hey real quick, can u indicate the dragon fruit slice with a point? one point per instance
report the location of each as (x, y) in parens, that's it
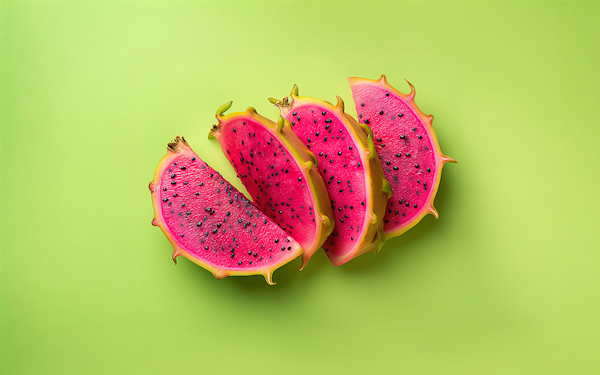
(349, 165)
(279, 173)
(408, 149)
(211, 223)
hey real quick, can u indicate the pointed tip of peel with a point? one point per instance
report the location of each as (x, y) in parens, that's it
(269, 278)
(340, 104)
(448, 159)
(411, 96)
(434, 212)
(222, 109)
(294, 90)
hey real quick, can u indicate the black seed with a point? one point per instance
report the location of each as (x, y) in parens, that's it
(183, 168)
(232, 254)
(294, 114)
(400, 115)
(331, 161)
(414, 129)
(396, 213)
(398, 155)
(358, 165)
(181, 234)
(214, 231)
(340, 209)
(381, 112)
(363, 203)
(387, 221)
(362, 104)
(415, 206)
(407, 155)
(173, 182)
(420, 137)
(298, 118)
(299, 178)
(183, 205)
(402, 136)
(199, 224)
(173, 175)
(367, 122)
(240, 263)
(396, 168)
(428, 169)
(194, 158)
(164, 189)
(276, 240)
(293, 122)
(339, 153)
(407, 205)
(200, 184)
(387, 163)
(416, 165)
(188, 213)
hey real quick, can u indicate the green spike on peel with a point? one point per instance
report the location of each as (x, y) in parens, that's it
(280, 123)
(222, 109)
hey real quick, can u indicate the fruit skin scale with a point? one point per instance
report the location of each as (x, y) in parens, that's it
(175, 150)
(305, 161)
(363, 88)
(372, 238)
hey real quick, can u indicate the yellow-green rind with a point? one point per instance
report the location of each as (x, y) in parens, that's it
(306, 161)
(440, 158)
(373, 236)
(176, 148)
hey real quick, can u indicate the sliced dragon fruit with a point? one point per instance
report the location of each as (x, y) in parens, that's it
(349, 165)
(279, 173)
(408, 149)
(211, 223)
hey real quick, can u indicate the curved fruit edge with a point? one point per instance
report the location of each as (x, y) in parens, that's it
(374, 237)
(440, 158)
(177, 147)
(306, 160)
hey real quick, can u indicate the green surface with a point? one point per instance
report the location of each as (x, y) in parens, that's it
(505, 282)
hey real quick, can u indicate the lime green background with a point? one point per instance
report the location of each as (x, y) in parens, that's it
(505, 282)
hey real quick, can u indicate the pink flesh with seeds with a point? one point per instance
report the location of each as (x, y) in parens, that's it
(344, 173)
(272, 177)
(211, 219)
(405, 150)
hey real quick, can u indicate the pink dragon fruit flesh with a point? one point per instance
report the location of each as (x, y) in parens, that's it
(211, 223)
(349, 165)
(280, 174)
(408, 149)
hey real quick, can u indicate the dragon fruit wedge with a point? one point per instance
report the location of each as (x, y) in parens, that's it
(211, 223)
(408, 149)
(350, 167)
(279, 173)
